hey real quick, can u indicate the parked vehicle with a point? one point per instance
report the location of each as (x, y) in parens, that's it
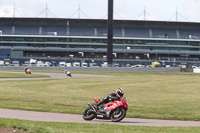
(76, 64)
(33, 62)
(6, 62)
(93, 65)
(15, 63)
(47, 64)
(53, 64)
(68, 64)
(138, 66)
(40, 64)
(62, 64)
(84, 65)
(1, 62)
(115, 111)
(105, 64)
(155, 64)
(116, 65)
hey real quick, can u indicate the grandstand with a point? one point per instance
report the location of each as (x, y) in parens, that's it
(85, 40)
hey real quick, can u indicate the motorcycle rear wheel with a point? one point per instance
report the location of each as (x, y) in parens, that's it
(88, 116)
(118, 114)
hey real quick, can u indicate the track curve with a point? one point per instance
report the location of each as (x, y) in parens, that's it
(59, 117)
(52, 76)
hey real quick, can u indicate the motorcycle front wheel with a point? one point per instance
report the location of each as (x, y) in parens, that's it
(88, 115)
(118, 114)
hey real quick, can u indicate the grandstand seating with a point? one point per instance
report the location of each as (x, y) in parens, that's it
(101, 50)
(5, 47)
(184, 34)
(53, 30)
(165, 51)
(81, 49)
(101, 31)
(190, 52)
(164, 33)
(81, 31)
(24, 48)
(6, 29)
(117, 32)
(136, 32)
(24, 30)
(144, 51)
(5, 51)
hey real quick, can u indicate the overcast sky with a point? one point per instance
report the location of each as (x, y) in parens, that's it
(161, 10)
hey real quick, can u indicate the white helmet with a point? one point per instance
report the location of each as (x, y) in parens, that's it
(120, 92)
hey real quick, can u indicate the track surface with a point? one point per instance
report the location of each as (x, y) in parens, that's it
(59, 117)
(52, 76)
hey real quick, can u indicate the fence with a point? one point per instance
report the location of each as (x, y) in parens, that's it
(109, 69)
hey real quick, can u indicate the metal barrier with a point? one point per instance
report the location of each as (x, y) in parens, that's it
(108, 69)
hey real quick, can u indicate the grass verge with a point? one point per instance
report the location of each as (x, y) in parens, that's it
(57, 127)
(19, 75)
(150, 95)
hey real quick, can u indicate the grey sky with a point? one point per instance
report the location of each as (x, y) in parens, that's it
(163, 10)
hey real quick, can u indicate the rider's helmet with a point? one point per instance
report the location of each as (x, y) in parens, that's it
(120, 92)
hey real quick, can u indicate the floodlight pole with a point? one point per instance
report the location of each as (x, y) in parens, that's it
(110, 33)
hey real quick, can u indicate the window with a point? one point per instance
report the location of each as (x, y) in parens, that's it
(40, 39)
(29, 39)
(51, 39)
(62, 39)
(19, 39)
(7, 38)
(117, 41)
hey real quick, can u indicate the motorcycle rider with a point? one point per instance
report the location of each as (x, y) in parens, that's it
(111, 97)
(68, 73)
(113, 107)
(27, 71)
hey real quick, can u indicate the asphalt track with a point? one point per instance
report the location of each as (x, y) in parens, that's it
(59, 117)
(52, 76)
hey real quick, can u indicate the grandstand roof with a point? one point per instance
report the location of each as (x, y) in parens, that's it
(99, 23)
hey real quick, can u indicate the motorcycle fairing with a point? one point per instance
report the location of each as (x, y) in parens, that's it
(113, 105)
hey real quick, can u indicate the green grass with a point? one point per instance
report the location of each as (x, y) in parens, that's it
(150, 95)
(19, 75)
(56, 127)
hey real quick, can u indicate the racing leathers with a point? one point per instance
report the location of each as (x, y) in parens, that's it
(111, 97)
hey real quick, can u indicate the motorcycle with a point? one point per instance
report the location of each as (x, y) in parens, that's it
(28, 71)
(69, 74)
(114, 111)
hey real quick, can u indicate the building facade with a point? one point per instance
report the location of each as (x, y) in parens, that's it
(86, 39)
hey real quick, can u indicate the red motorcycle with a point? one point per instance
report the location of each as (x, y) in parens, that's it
(27, 71)
(115, 111)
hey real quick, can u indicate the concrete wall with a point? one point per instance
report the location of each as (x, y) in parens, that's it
(110, 69)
